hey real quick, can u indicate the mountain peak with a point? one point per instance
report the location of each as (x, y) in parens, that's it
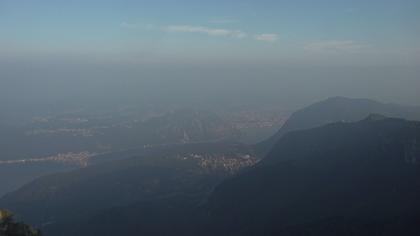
(341, 99)
(375, 117)
(337, 98)
(336, 109)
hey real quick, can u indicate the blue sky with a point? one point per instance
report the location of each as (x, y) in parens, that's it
(230, 31)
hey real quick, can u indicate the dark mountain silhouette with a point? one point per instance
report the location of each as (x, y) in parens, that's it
(341, 179)
(338, 109)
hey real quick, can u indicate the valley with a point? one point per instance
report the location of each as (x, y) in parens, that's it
(209, 118)
(211, 182)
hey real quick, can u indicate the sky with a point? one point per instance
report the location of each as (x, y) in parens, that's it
(276, 32)
(69, 47)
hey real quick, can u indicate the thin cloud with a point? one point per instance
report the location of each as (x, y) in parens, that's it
(214, 32)
(206, 30)
(348, 46)
(271, 38)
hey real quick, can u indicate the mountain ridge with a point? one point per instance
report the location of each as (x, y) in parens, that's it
(366, 173)
(336, 109)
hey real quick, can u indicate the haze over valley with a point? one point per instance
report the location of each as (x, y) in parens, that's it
(289, 118)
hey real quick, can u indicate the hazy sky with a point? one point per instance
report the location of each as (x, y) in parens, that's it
(374, 31)
(54, 47)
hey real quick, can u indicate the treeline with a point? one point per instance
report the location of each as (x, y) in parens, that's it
(9, 227)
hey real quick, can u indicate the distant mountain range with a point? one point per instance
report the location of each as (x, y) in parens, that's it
(186, 126)
(333, 169)
(337, 109)
(52, 137)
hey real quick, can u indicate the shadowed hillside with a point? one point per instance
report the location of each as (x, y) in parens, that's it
(341, 179)
(338, 109)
